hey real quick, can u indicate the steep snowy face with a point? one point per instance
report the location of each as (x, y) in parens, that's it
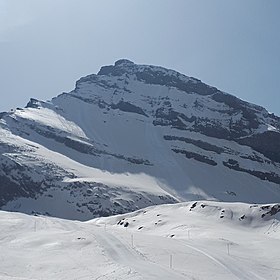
(133, 136)
(177, 100)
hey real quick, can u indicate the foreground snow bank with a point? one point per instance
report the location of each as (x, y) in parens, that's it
(196, 240)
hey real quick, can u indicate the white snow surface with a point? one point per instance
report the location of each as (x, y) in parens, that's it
(179, 241)
(85, 139)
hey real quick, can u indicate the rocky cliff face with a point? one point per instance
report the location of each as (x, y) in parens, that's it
(132, 136)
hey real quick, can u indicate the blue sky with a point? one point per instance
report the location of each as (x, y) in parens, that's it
(46, 45)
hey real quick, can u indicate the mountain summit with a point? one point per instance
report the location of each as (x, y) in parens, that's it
(133, 136)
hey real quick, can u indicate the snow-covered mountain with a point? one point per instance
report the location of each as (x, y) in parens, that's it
(134, 136)
(193, 240)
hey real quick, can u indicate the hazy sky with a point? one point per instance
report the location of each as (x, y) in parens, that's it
(46, 45)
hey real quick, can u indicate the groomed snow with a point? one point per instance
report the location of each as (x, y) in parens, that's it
(181, 241)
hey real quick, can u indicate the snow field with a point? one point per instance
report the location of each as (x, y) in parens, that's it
(181, 241)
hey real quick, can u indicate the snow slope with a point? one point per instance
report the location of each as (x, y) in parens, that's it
(134, 136)
(180, 241)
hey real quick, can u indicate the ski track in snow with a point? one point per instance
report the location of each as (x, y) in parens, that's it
(236, 269)
(131, 258)
(41, 248)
